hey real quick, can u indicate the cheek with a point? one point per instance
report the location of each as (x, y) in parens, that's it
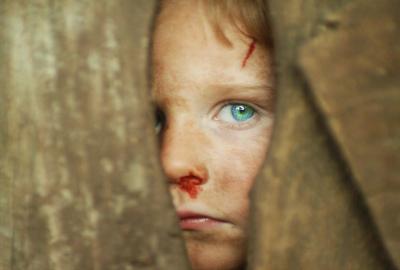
(242, 156)
(235, 166)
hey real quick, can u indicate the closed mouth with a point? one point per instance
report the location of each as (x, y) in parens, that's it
(197, 221)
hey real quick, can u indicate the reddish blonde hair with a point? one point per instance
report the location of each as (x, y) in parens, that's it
(250, 16)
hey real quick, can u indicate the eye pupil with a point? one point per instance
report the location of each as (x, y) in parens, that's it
(241, 112)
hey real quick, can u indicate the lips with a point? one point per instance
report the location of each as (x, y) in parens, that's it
(197, 221)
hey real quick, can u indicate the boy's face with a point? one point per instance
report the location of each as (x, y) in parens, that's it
(218, 117)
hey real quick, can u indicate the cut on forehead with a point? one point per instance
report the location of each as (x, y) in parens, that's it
(250, 17)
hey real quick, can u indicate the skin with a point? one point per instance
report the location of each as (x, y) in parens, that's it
(195, 79)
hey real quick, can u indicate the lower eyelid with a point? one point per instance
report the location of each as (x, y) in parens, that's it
(241, 125)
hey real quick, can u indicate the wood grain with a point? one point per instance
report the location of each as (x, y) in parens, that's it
(79, 187)
(308, 210)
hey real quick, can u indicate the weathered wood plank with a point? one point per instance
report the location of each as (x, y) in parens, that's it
(308, 212)
(84, 187)
(353, 71)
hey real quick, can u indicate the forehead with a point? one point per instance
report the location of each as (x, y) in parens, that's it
(182, 28)
(187, 51)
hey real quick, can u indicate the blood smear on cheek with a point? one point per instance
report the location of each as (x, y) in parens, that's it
(191, 185)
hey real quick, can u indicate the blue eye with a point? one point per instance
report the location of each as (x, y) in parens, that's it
(236, 112)
(241, 112)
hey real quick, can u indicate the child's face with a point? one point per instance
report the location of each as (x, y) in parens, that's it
(218, 119)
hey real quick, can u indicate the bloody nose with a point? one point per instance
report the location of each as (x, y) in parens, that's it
(191, 185)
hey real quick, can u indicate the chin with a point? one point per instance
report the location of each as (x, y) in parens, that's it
(207, 253)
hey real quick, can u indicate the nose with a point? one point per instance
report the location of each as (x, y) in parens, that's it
(183, 154)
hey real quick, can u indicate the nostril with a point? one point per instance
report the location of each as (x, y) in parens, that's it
(191, 185)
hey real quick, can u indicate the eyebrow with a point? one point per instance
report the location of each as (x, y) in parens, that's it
(263, 95)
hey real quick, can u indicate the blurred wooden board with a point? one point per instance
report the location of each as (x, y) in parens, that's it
(308, 209)
(79, 188)
(354, 74)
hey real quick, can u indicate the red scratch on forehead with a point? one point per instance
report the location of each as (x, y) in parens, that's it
(250, 51)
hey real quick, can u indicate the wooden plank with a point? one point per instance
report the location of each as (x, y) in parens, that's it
(87, 190)
(353, 72)
(307, 210)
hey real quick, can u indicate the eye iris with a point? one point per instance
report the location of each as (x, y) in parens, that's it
(241, 112)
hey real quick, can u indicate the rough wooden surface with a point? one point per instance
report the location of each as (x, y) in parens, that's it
(80, 184)
(78, 189)
(322, 201)
(353, 71)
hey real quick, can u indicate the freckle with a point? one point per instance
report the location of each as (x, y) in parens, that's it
(250, 51)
